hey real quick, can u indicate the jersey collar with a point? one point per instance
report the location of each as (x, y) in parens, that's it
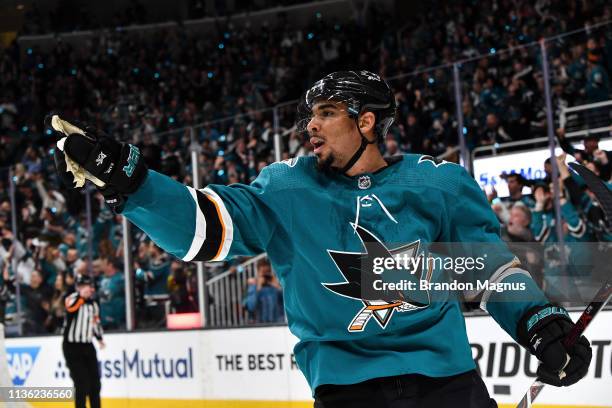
(365, 181)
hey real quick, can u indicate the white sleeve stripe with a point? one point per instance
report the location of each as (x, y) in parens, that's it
(577, 231)
(543, 231)
(501, 274)
(199, 235)
(227, 222)
(470, 295)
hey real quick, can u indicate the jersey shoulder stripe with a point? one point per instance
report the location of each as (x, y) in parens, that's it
(423, 171)
(291, 174)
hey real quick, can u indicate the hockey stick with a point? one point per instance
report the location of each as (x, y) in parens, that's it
(601, 298)
(604, 197)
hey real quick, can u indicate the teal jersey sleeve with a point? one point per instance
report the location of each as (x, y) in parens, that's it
(543, 227)
(472, 229)
(165, 210)
(249, 220)
(473, 223)
(540, 225)
(575, 226)
(471, 217)
(205, 224)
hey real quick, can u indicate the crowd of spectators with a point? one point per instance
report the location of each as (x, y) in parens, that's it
(503, 91)
(147, 87)
(75, 15)
(528, 215)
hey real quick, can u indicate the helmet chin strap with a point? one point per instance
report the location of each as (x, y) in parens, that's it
(364, 144)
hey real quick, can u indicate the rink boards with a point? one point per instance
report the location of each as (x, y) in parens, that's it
(254, 367)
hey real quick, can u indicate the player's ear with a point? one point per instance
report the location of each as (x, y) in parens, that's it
(366, 122)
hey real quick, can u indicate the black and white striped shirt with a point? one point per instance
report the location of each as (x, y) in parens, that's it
(82, 320)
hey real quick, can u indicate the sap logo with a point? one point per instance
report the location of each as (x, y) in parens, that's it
(20, 362)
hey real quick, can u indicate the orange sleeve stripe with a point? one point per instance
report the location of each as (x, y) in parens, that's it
(75, 307)
(68, 300)
(222, 225)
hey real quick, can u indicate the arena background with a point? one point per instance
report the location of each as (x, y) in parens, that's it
(208, 90)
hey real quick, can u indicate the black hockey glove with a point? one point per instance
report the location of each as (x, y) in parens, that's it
(116, 168)
(541, 330)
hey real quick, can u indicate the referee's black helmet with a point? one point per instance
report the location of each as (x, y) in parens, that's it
(83, 279)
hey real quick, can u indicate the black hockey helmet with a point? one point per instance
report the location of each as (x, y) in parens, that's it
(83, 279)
(361, 91)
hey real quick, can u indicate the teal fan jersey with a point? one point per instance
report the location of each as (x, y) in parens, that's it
(316, 227)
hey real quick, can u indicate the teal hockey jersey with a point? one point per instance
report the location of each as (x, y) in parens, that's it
(316, 228)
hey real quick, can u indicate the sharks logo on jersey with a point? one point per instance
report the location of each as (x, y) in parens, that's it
(290, 162)
(436, 162)
(357, 270)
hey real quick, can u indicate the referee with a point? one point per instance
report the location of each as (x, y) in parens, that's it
(82, 322)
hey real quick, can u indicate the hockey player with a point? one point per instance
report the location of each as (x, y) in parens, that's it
(320, 219)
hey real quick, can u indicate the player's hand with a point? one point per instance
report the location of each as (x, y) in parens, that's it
(561, 133)
(540, 199)
(116, 168)
(498, 208)
(101, 344)
(600, 156)
(219, 162)
(492, 194)
(542, 331)
(563, 170)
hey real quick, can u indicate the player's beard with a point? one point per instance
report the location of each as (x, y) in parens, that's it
(325, 165)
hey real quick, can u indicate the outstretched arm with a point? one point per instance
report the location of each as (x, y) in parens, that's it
(205, 224)
(199, 225)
